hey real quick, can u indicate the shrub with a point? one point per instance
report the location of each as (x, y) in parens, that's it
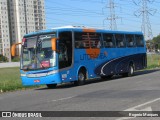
(16, 59)
(3, 58)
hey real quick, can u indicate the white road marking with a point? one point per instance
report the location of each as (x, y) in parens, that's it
(66, 98)
(140, 105)
(125, 118)
(145, 109)
(149, 102)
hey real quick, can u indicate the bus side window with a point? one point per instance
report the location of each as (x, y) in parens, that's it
(108, 40)
(130, 41)
(81, 40)
(95, 40)
(87, 40)
(139, 40)
(120, 41)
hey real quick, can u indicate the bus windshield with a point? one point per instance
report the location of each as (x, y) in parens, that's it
(37, 52)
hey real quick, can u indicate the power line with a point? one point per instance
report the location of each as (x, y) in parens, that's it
(89, 1)
(74, 7)
(144, 11)
(112, 18)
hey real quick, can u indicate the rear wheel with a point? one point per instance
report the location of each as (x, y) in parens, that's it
(81, 78)
(51, 85)
(130, 71)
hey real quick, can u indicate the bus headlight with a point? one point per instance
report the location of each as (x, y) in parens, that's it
(53, 72)
(23, 75)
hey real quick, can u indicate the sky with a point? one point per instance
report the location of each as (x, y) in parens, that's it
(94, 13)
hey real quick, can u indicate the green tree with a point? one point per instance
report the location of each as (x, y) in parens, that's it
(3, 58)
(156, 41)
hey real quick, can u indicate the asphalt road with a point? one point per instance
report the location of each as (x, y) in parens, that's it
(138, 93)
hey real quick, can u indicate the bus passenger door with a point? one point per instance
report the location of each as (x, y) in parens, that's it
(65, 49)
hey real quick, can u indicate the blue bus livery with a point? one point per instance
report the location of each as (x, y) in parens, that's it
(74, 54)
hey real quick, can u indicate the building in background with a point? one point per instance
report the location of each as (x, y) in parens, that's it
(39, 14)
(17, 18)
(4, 30)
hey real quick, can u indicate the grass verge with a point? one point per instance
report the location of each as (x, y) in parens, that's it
(153, 61)
(10, 80)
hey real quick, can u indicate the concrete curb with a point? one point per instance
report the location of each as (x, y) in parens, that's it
(9, 64)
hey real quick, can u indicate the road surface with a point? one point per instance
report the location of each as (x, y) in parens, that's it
(140, 92)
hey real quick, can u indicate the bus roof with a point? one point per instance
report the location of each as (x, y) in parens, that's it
(80, 28)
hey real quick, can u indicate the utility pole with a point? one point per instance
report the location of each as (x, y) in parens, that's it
(144, 11)
(25, 12)
(112, 17)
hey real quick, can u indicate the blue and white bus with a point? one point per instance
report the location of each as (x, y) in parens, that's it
(75, 54)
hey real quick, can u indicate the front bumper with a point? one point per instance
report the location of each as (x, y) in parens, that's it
(30, 80)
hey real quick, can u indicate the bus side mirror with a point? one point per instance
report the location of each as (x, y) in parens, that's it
(54, 44)
(13, 49)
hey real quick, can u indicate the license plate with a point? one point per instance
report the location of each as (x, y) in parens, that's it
(36, 81)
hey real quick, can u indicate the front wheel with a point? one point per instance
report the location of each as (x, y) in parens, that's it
(51, 85)
(81, 78)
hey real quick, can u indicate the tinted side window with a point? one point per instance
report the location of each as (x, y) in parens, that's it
(87, 40)
(130, 40)
(139, 40)
(65, 49)
(108, 41)
(120, 41)
(95, 40)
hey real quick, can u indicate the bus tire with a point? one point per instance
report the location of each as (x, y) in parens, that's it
(130, 71)
(51, 85)
(81, 78)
